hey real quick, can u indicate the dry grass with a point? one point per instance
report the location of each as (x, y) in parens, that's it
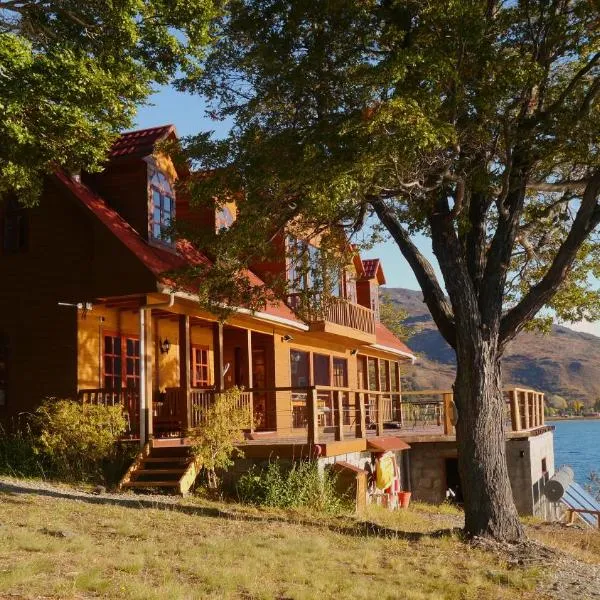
(58, 548)
(583, 544)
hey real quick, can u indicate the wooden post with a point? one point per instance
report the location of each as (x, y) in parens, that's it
(184, 366)
(380, 414)
(338, 415)
(399, 390)
(534, 409)
(361, 420)
(250, 379)
(515, 412)
(218, 354)
(448, 410)
(525, 408)
(313, 417)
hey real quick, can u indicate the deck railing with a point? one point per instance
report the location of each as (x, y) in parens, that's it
(319, 413)
(128, 398)
(338, 311)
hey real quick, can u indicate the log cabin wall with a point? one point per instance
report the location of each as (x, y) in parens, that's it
(69, 257)
(124, 185)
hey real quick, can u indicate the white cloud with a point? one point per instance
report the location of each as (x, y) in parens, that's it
(584, 326)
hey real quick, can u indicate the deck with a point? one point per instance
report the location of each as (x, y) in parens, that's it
(325, 421)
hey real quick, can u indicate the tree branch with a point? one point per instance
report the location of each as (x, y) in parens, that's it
(434, 297)
(501, 247)
(573, 83)
(586, 220)
(562, 186)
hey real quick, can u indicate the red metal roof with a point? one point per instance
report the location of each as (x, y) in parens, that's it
(139, 143)
(159, 261)
(373, 269)
(384, 444)
(384, 337)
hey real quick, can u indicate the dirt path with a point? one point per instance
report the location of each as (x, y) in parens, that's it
(567, 577)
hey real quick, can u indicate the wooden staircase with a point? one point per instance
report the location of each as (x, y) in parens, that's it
(164, 464)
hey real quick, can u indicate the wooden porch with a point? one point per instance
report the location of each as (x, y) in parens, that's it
(322, 415)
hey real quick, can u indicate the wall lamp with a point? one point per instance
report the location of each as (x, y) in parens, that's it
(164, 346)
(287, 338)
(354, 352)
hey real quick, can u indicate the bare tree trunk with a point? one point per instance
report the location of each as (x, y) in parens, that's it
(489, 506)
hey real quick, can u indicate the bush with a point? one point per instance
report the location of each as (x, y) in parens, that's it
(300, 485)
(78, 440)
(214, 442)
(18, 455)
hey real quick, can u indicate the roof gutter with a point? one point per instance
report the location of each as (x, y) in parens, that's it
(383, 348)
(244, 311)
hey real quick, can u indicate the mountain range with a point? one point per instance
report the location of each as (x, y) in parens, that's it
(564, 362)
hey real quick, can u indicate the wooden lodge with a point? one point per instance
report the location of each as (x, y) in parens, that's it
(88, 311)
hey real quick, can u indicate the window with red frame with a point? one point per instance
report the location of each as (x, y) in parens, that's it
(116, 370)
(200, 373)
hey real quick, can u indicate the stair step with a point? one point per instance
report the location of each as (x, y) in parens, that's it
(166, 459)
(177, 472)
(151, 484)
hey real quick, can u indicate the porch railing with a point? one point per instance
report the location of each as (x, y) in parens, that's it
(128, 398)
(338, 311)
(318, 413)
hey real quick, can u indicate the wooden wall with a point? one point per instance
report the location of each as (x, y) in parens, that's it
(70, 258)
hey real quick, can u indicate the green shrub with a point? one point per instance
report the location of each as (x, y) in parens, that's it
(78, 440)
(18, 455)
(299, 485)
(214, 443)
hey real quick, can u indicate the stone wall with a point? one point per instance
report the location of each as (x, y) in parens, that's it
(530, 463)
(428, 470)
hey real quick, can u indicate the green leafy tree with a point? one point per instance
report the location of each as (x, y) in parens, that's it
(72, 73)
(215, 441)
(393, 316)
(577, 406)
(473, 123)
(597, 405)
(558, 402)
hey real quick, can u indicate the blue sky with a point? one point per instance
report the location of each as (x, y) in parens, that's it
(187, 113)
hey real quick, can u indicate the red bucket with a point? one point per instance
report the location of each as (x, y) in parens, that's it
(404, 499)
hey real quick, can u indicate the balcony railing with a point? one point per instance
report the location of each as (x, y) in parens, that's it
(338, 311)
(320, 413)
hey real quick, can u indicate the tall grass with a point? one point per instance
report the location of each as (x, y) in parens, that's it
(300, 485)
(18, 455)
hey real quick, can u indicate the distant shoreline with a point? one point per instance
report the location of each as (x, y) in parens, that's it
(572, 418)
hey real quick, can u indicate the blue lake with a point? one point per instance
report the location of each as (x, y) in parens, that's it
(577, 443)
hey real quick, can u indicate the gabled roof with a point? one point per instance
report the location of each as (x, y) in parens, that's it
(373, 269)
(159, 261)
(386, 340)
(139, 143)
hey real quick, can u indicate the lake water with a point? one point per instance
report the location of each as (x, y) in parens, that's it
(577, 444)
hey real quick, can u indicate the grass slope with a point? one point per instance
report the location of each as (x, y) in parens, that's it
(60, 548)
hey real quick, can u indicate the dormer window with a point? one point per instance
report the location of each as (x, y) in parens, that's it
(162, 206)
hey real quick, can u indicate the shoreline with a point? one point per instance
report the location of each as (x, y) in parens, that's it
(572, 418)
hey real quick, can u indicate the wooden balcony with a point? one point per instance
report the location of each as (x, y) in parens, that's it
(338, 315)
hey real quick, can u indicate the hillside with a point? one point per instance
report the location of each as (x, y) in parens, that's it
(565, 362)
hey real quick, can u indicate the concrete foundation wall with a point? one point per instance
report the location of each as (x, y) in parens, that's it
(428, 470)
(363, 460)
(530, 464)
